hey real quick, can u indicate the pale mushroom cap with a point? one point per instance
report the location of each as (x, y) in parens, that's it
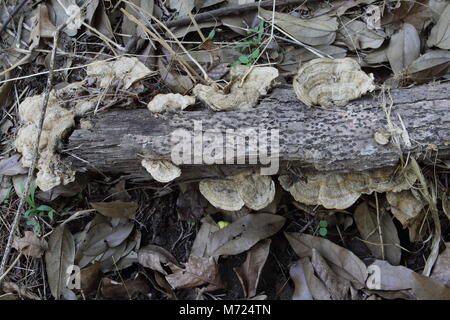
(256, 191)
(327, 82)
(161, 170)
(221, 194)
(170, 101)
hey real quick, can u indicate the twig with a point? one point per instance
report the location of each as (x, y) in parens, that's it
(210, 15)
(16, 10)
(35, 154)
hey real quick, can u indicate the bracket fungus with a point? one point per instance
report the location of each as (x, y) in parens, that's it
(58, 122)
(335, 190)
(250, 189)
(170, 101)
(327, 82)
(248, 84)
(161, 170)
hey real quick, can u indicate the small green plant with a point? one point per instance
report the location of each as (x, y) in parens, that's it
(246, 46)
(34, 211)
(323, 224)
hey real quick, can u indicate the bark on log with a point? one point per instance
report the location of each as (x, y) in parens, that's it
(339, 139)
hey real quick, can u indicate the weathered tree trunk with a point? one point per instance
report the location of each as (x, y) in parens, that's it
(340, 139)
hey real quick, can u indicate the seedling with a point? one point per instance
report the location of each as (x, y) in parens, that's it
(34, 211)
(323, 224)
(249, 59)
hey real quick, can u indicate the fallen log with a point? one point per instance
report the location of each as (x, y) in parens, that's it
(338, 139)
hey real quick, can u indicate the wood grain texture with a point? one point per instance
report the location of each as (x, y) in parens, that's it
(338, 139)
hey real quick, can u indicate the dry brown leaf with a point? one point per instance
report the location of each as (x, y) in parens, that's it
(404, 48)
(249, 272)
(356, 35)
(440, 34)
(90, 279)
(416, 13)
(405, 206)
(190, 206)
(14, 288)
(334, 255)
(42, 26)
(116, 209)
(110, 289)
(441, 269)
(315, 31)
(429, 66)
(59, 258)
(339, 288)
(367, 224)
(327, 82)
(243, 233)
(155, 257)
(12, 166)
(97, 18)
(61, 10)
(30, 245)
(307, 285)
(198, 271)
(203, 239)
(173, 79)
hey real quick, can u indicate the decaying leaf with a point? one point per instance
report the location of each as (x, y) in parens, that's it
(42, 26)
(128, 289)
(244, 233)
(30, 245)
(367, 224)
(161, 170)
(90, 279)
(61, 10)
(429, 66)
(197, 272)
(14, 288)
(307, 285)
(125, 69)
(170, 101)
(97, 18)
(405, 206)
(328, 82)
(441, 269)
(59, 258)
(190, 206)
(440, 33)
(203, 239)
(338, 287)
(248, 84)
(116, 209)
(315, 31)
(250, 189)
(11, 166)
(341, 260)
(356, 35)
(402, 279)
(404, 48)
(341, 190)
(155, 257)
(249, 272)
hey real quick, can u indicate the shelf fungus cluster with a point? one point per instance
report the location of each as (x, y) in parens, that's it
(59, 119)
(170, 101)
(245, 189)
(335, 190)
(327, 82)
(246, 87)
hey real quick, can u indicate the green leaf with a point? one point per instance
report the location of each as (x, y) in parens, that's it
(323, 224)
(236, 63)
(29, 213)
(211, 35)
(44, 208)
(255, 54)
(244, 59)
(323, 232)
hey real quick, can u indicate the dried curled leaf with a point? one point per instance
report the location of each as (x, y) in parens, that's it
(404, 48)
(328, 82)
(440, 34)
(30, 245)
(315, 31)
(125, 69)
(356, 35)
(248, 86)
(161, 170)
(431, 65)
(405, 206)
(250, 189)
(170, 101)
(341, 190)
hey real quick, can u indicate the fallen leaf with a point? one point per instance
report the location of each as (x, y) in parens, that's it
(12, 166)
(90, 279)
(342, 258)
(203, 238)
(189, 205)
(315, 31)
(198, 271)
(404, 48)
(116, 209)
(429, 66)
(30, 245)
(441, 269)
(110, 289)
(97, 18)
(11, 287)
(183, 7)
(243, 233)
(440, 33)
(155, 257)
(59, 258)
(356, 35)
(367, 223)
(249, 272)
(307, 285)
